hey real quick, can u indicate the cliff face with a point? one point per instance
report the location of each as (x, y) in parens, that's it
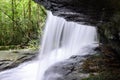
(86, 11)
(109, 34)
(105, 14)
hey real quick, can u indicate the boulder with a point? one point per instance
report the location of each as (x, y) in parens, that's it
(11, 59)
(69, 69)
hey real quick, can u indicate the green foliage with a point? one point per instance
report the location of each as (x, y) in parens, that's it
(33, 44)
(21, 21)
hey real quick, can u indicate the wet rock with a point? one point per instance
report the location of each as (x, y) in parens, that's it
(110, 34)
(84, 11)
(13, 59)
(67, 70)
(105, 14)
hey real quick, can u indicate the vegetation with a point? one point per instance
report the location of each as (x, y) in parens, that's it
(21, 23)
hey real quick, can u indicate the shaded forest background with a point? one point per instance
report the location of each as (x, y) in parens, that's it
(21, 24)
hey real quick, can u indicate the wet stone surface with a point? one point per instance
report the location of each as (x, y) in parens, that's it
(81, 11)
(69, 69)
(11, 59)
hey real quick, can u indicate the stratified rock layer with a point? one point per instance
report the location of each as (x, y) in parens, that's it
(105, 14)
(86, 11)
(11, 59)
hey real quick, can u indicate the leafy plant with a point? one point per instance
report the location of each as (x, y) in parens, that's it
(21, 21)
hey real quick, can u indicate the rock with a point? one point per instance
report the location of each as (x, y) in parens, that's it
(12, 59)
(69, 69)
(111, 58)
(110, 33)
(105, 14)
(84, 11)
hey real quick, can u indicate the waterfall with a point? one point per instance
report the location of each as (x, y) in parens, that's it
(61, 40)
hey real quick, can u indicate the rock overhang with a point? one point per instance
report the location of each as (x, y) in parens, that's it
(81, 11)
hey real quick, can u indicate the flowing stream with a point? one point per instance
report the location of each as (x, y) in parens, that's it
(61, 40)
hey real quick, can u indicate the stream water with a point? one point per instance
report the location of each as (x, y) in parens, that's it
(61, 40)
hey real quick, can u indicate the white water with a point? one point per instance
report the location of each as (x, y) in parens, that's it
(61, 40)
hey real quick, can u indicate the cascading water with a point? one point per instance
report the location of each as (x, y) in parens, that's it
(61, 40)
